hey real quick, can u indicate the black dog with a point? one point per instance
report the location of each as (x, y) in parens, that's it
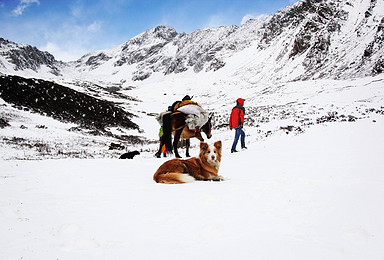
(129, 155)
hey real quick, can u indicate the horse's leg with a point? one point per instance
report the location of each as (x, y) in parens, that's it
(175, 142)
(187, 145)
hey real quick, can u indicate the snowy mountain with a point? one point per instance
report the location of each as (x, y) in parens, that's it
(22, 57)
(313, 39)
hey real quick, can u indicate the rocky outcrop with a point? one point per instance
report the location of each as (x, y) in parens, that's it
(25, 57)
(63, 103)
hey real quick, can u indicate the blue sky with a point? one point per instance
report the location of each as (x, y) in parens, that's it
(71, 28)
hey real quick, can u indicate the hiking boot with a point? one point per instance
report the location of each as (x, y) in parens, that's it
(244, 147)
(233, 151)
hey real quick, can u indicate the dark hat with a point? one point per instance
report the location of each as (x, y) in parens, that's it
(187, 97)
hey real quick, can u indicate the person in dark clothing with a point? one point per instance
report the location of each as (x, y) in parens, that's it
(236, 121)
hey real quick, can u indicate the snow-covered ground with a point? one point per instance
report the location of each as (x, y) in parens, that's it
(317, 195)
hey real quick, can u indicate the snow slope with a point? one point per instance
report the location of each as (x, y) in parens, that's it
(310, 196)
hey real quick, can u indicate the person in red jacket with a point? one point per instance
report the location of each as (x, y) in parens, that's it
(236, 121)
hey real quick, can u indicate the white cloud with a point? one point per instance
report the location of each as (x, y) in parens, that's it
(77, 10)
(23, 5)
(71, 40)
(94, 27)
(253, 16)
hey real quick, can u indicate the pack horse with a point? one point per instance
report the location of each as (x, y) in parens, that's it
(175, 124)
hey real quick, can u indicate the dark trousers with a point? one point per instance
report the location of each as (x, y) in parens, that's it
(238, 132)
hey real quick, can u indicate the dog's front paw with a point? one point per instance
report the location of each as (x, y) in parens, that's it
(218, 178)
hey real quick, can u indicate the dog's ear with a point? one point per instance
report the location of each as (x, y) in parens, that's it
(218, 145)
(203, 146)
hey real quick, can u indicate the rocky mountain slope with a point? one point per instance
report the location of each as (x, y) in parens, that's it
(311, 39)
(308, 40)
(21, 57)
(63, 103)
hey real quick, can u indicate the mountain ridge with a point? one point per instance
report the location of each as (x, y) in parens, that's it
(312, 39)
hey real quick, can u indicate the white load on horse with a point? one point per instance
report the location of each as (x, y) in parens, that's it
(195, 115)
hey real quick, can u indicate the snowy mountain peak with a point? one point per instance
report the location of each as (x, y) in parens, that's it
(310, 39)
(159, 34)
(20, 57)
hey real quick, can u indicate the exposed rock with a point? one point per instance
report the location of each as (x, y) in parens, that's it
(3, 123)
(27, 57)
(63, 103)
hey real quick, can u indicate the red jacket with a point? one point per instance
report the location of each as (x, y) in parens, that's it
(237, 115)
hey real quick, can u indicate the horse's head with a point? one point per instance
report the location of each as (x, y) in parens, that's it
(208, 127)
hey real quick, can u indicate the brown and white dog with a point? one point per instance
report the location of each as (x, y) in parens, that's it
(204, 168)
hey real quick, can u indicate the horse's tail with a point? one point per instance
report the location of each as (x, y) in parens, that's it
(167, 132)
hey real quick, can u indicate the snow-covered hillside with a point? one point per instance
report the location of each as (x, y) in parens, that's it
(289, 108)
(317, 39)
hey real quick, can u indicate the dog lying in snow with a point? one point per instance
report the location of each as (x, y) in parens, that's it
(205, 167)
(129, 155)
